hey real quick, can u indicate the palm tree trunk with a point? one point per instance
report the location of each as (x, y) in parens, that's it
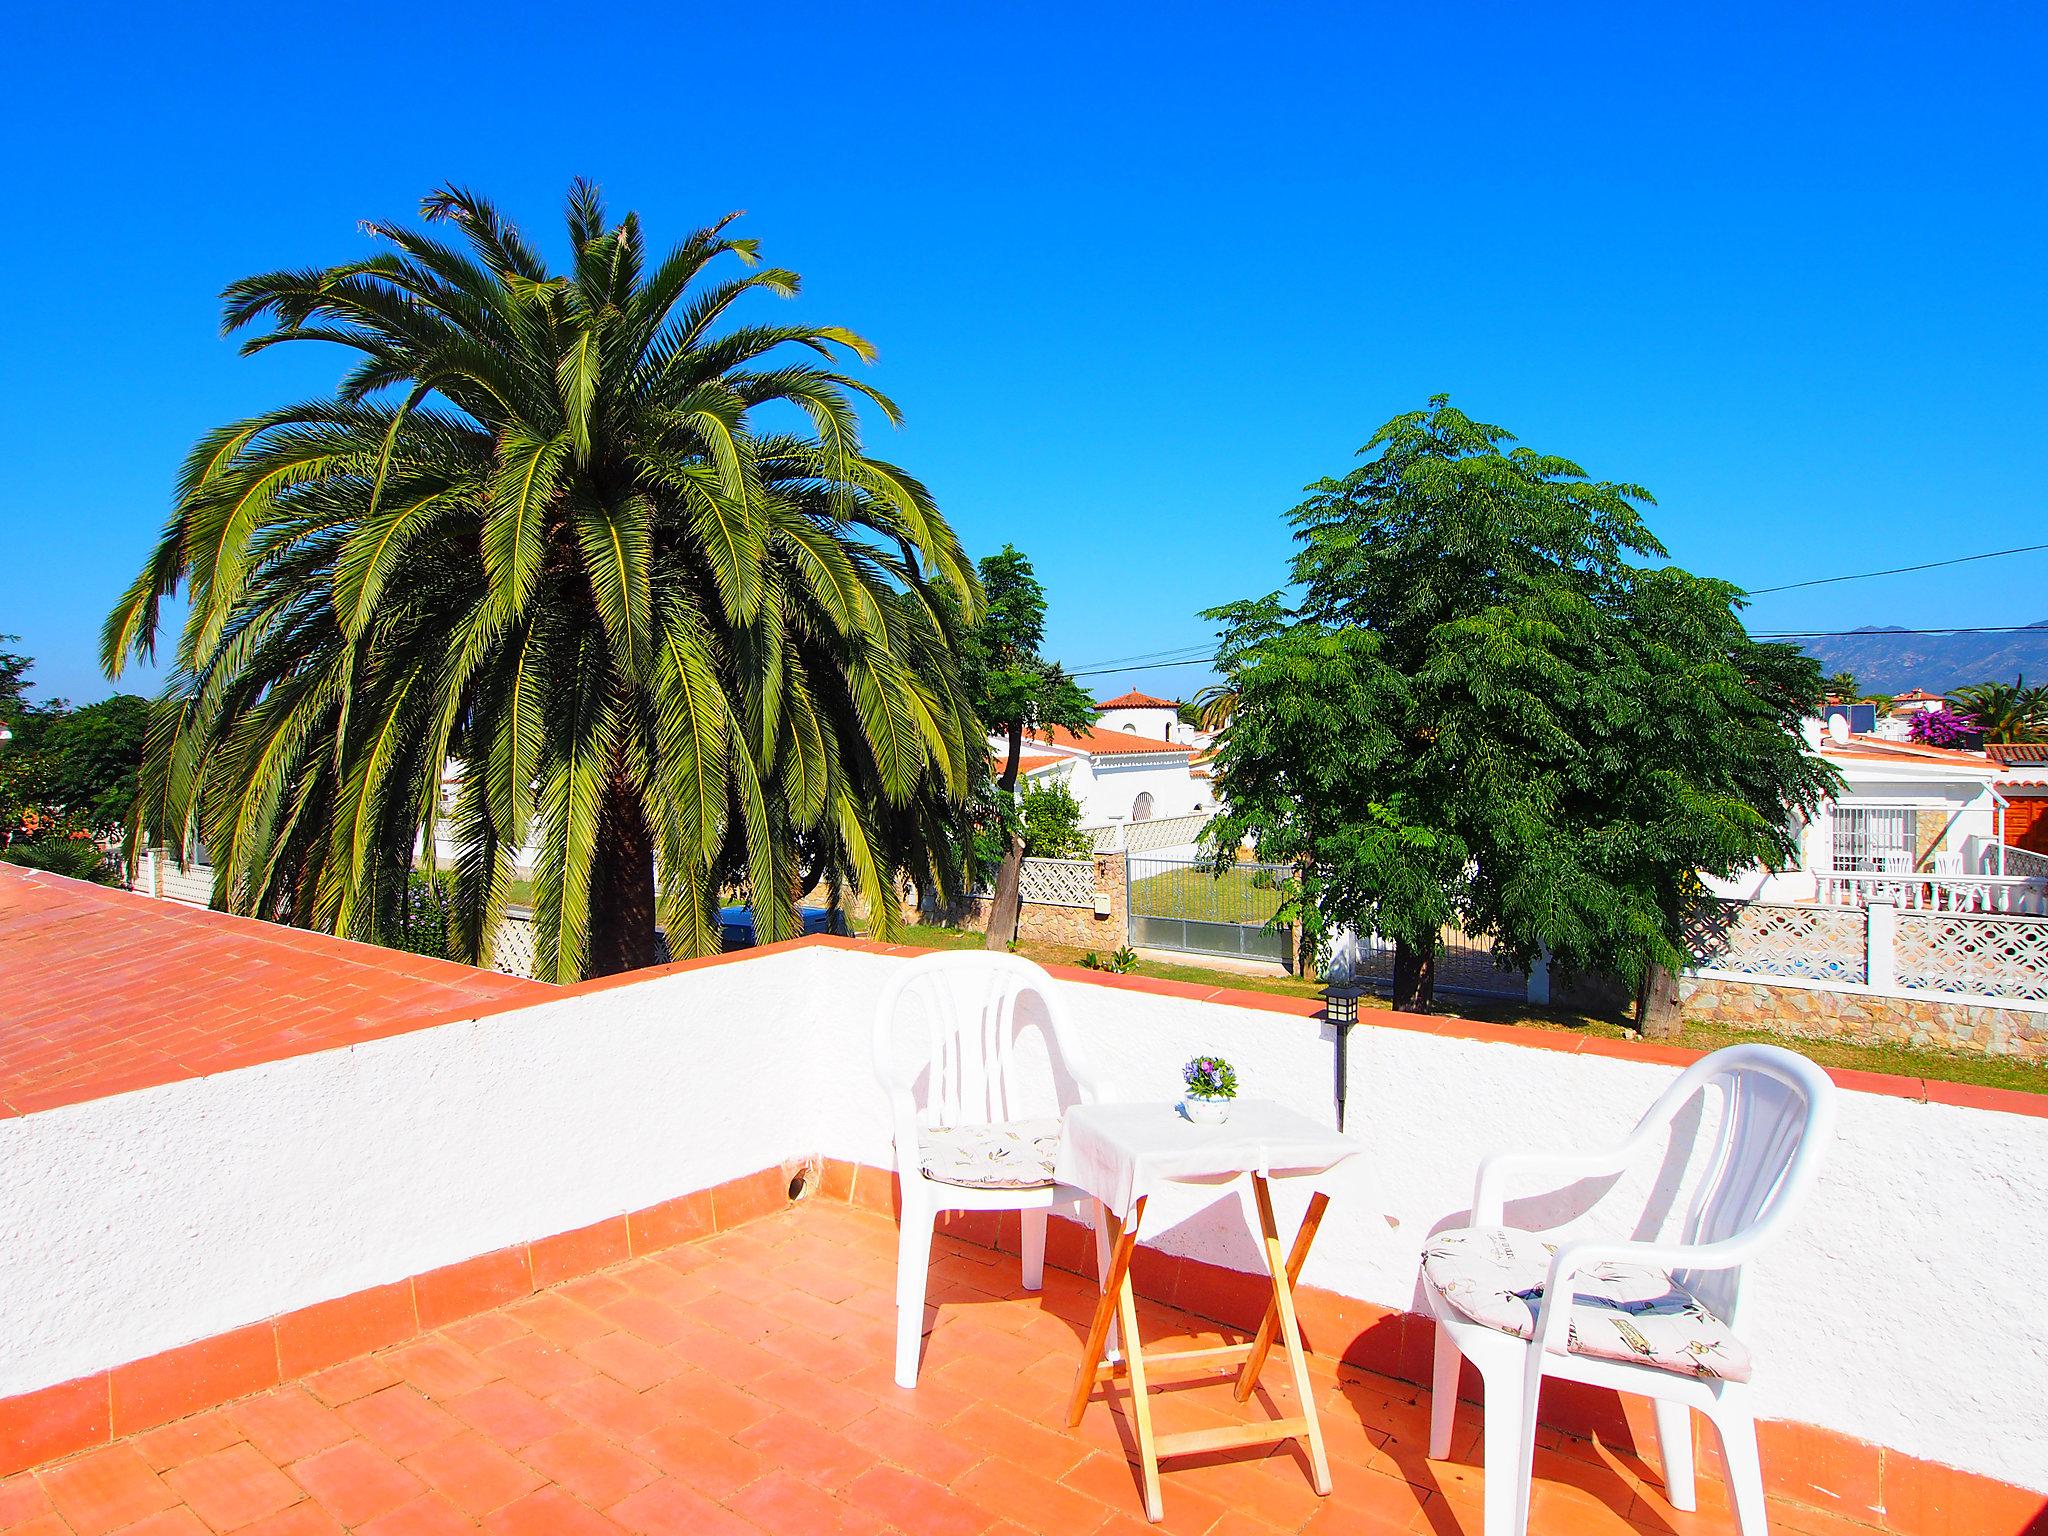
(622, 887)
(1007, 905)
(1414, 977)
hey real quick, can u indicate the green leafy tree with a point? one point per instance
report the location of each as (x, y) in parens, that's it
(555, 525)
(2005, 712)
(1483, 713)
(1014, 690)
(1841, 685)
(1051, 821)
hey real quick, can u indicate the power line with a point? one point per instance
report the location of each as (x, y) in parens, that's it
(1900, 570)
(1779, 634)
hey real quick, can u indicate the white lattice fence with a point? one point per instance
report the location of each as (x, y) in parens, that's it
(1973, 953)
(1058, 882)
(1758, 939)
(512, 949)
(1166, 832)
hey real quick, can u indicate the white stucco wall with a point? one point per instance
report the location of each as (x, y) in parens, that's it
(133, 1224)
(1107, 787)
(1903, 1309)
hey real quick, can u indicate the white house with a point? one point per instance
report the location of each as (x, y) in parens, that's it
(1923, 825)
(1116, 775)
(1143, 714)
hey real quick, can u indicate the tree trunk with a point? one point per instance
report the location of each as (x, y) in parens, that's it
(1007, 905)
(1414, 977)
(1657, 1016)
(1008, 782)
(622, 888)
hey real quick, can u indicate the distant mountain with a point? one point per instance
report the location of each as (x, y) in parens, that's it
(1889, 660)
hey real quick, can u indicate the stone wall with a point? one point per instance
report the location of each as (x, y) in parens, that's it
(1828, 1013)
(1075, 927)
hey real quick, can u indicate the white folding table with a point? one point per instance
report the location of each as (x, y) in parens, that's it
(1123, 1153)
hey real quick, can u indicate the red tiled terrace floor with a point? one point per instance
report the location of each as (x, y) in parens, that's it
(740, 1385)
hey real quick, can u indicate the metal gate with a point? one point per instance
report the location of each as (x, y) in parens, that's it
(1183, 904)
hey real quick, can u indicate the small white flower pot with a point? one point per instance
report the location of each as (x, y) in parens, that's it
(1205, 1111)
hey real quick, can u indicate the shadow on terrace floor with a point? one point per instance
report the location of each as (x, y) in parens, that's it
(741, 1385)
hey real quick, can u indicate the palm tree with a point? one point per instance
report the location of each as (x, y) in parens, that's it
(1211, 708)
(1841, 685)
(541, 528)
(2005, 712)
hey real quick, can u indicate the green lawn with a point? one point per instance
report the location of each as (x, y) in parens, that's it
(1236, 896)
(1899, 1061)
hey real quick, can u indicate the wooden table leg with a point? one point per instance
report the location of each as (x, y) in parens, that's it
(1123, 1241)
(1290, 1333)
(1141, 1401)
(1248, 1378)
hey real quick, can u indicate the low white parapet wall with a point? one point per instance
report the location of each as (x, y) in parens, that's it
(1903, 1309)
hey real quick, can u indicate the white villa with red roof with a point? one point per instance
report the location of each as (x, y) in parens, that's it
(1967, 829)
(1138, 762)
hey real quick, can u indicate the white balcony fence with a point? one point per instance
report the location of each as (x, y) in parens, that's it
(1918, 891)
(1153, 836)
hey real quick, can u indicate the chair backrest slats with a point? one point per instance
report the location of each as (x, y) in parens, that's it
(1776, 1112)
(972, 1072)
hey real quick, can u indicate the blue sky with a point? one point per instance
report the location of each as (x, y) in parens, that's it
(1136, 274)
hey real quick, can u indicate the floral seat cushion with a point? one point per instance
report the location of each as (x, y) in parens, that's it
(1011, 1154)
(1631, 1312)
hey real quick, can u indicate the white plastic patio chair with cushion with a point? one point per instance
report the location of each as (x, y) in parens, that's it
(976, 1110)
(1655, 1318)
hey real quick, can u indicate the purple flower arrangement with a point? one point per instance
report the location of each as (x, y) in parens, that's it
(1210, 1077)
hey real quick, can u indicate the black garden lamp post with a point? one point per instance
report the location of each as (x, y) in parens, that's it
(1340, 1007)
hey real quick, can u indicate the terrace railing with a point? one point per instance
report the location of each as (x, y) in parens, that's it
(1919, 891)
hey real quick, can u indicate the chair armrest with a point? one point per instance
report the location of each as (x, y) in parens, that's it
(1552, 1319)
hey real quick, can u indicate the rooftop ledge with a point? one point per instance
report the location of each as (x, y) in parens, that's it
(534, 1245)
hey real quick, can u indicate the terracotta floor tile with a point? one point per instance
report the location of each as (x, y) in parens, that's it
(288, 1424)
(902, 1441)
(539, 1365)
(1007, 1490)
(479, 1333)
(472, 1473)
(350, 1380)
(105, 1490)
(807, 1448)
(670, 1507)
(428, 1516)
(558, 1319)
(399, 1421)
(548, 1512)
(743, 1385)
(305, 1518)
(783, 1504)
(171, 1522)
(22, 1499)
(591, 1467)
(508, 1414)
(233, 1487)
(917, 1506)
(614, 1410)
(186, 1440)
(356, 1482)
(702, 1457)
(629, 1359)
(439, 1368)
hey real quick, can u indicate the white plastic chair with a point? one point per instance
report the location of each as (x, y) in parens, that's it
(969, 1076)
(1776, 1120)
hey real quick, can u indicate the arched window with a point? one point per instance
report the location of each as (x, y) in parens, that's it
(1141, 808)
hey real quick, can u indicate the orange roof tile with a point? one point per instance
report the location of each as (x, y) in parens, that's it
(2011, 752)
(1137, 700)
(1879, 748)
(103, 991)
(1104, 743)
